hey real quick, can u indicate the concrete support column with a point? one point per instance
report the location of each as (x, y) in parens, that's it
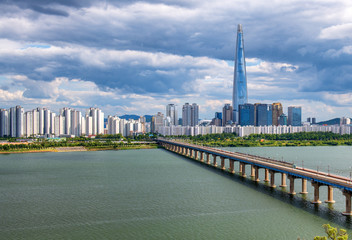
(208, 158)
(266, 175)
(252, 171)
(292, 185)
(214, 160)
(243, 173)
(195, 154)
(283, 180)
(232, 166)
(191, 153)
(187, 152)
(304, 186)
(330, 195)
(256, 174)
(202, 156)
(222, 163)
(272, 179)
(316, 193)
(348, 211)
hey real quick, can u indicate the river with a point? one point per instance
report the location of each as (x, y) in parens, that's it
(155, 194)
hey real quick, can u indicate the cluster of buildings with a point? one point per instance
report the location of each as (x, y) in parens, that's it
(241, 117)
(15, 122)
(243, 131)
(259, 114)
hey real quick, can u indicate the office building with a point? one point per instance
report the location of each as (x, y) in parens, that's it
(171, 112)
(246, 114)
(240, 78)
(277, 112)
(283, 120)
(263, 114)
(227, 115)
(294, 117)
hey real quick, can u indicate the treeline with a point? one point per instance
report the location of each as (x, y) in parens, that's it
(70, 143)
(274, 140)
(301, 136)
(208, 137)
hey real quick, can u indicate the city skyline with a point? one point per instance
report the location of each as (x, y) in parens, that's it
(55, 54)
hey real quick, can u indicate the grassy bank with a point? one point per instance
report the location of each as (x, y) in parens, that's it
(75, 149)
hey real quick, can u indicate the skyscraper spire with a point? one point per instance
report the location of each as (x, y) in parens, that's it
(240, 95)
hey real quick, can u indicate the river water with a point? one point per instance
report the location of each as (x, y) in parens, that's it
(155, 194)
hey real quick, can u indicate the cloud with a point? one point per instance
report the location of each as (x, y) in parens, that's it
(340, 31)
(151, 52)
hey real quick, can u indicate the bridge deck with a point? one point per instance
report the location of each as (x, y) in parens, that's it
(274, 165)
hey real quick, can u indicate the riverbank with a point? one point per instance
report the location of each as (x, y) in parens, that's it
(81, 149)
(273, 143)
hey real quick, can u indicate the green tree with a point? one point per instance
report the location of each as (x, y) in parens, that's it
(333, 233)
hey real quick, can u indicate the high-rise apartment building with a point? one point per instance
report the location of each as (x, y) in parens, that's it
(294, 116)
(4, 123)
(171, 111)
(157, 121)
(246, 114)
(194, 114)
(186, 114)
(227, 115)
(240, 95)
(277, 112)
(97, 124)
(190, 114)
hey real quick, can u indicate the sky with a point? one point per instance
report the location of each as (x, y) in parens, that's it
(135, 57)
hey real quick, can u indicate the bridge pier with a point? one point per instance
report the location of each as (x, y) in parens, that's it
(304, 186)
(316, 193)
(348, 211)
(292, 184)
(222, 163)
(214, 160)
(266, 175)
(330, 195)
(252, 171)
(256, 174)
(195, 154)
(243, 169)
(283, 180)
(202, 156)
(208, 158)
(272, 179)
(232, 166)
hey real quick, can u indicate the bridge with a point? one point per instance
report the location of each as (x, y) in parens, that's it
(271, 166)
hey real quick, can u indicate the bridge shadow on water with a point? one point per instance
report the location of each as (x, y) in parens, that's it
(322, 210)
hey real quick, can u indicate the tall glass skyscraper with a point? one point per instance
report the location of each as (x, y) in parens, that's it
(240, 77)
(246, 114)
(294, 116)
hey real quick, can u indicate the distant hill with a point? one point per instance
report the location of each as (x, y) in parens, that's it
(148, 118)
(330, 122)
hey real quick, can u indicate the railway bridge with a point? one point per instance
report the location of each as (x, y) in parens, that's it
(272, 167)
